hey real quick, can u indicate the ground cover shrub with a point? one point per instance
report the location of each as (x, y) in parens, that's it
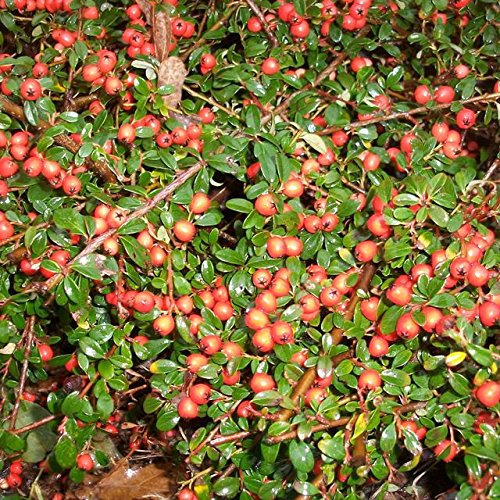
(248, 249)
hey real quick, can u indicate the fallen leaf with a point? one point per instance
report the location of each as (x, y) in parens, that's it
(172, 72)
(146, 8)
(162, 35)
(158, 481)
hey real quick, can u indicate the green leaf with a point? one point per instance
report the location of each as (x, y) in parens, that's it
(394, 76)
(480, 354)
(207, 271)
(396, 249)
(66, 452)
(483, 452)
(240, 205)
(135, 250)
(31, 112)
(266, 154)
(398, 378)
(252, 117)
(305, 488)
(230, 256)
(92, 348)
(211, 218)
(439, 215)
(87, 266)
(132, 227)
(269, 451)
(70, 219)
(227, 487)
(388, 437)
(390, 318)
(167, 418)
(443, 300)
(151, 405)
(316, 142)
(459, 384)
(436, 435)
(324, 366)
(301, 456)
(73, 291)
(277, 428)
(333, 448)
(268, 398)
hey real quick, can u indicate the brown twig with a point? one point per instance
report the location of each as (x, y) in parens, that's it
(99, 166)
(405, 114)
(492, 169)
(286, 436)
(229, 438)
(410, 407)
(34, 425)
(18, 236)
(269, 33)
(362, 284)
(96, 242)
(208, 439)
(212, 102)
(81, 102)
(214, 27)
(28, 335)
(324, 74)
(309, 375)
(203, 21)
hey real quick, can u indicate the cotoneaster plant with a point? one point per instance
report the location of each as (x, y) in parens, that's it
(255, 240)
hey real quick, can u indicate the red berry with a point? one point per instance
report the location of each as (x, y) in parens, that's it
(85, 462)
(262, 382)
(14, 480)
(30, 89)
(200, 393)
(446, 450)
(16, 467)
(378, 347)
(184, 231)
(466, 118)
(489, 393)
(187, 408)
(46, 352)
(270, 66)
(369, 380)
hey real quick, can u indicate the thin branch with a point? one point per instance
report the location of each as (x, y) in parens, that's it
(214, 27)
(209, 438)
(410, 407)
(286, 436)
(491, 170)
(81, 102)
(212, 102)
(229, 438)
(362, 284)
(34, 425)
(309, 375)
(405, 114)
(99, 166)
(96, 242)
(18, 236)
(324, 74)
(28, 335)
(203, 22)
(269, 33)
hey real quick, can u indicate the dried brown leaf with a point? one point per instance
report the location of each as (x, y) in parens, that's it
(162, 34)
(147, 9)
(172, 72)
(124, 482)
